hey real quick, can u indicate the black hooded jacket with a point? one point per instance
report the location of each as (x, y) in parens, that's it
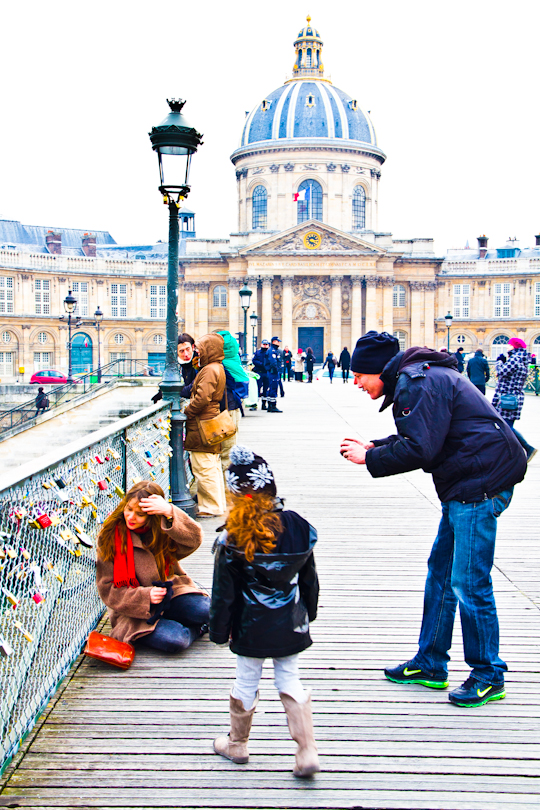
(265, 606)
(445, 427)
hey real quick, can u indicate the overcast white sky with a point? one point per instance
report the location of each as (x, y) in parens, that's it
(452, 89)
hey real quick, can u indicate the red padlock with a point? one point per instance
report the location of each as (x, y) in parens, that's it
(102, 485)
(99, 460)
(44, 521)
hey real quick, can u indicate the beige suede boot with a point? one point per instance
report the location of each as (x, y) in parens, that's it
(301, 728)
(234, 746)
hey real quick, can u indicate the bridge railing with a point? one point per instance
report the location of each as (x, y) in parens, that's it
(51, 511)
(91, 381)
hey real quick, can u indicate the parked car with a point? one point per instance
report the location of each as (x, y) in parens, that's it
(48, 377)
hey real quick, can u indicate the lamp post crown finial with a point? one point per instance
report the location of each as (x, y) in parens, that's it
(175, 104)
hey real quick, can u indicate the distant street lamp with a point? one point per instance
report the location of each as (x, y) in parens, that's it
(448, 321)
(175, 141)
(245, 297)
(253, 318)
(98, 317)
(70, 305)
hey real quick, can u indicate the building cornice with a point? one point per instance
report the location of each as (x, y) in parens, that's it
(308, 145)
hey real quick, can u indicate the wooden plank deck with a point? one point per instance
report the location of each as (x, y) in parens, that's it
(143, 739)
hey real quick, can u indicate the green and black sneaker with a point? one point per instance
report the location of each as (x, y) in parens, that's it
(410, 673)
(473, 693)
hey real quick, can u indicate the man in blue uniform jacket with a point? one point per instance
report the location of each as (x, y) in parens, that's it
(446, 427)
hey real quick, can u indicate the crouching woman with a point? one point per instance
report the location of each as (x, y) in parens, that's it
(150, 598)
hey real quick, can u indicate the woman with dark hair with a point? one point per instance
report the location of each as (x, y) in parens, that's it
(149, 597)
(310, 360)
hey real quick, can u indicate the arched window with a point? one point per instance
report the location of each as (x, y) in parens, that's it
(260, 206)
(359, 208)
(311, 206)
(220, 296)
(399, 295)
(536, 341)
(308, 57)
(402, 337)
(498, 341)
(118, 338)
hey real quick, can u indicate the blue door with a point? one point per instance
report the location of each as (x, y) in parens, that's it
(312, 336)
(81, 353)
(157, 361)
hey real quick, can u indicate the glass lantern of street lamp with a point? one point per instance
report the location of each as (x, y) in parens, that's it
(175, 141)
(448, 320)
(253, 318)
(98, 315)
(245, 296)
(70, 303)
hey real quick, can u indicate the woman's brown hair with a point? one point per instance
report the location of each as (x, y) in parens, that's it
(161, 545)
(252, 525)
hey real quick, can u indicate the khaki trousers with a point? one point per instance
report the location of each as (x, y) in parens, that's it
(210, 486)
(228, 444)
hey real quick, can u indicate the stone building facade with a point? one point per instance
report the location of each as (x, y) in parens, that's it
(308, 170)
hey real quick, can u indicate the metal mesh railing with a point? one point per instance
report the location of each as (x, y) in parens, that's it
(49, 522)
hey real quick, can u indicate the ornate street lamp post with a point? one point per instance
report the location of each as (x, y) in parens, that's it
(98, 317)
(448, 321)
(175, 141)
(245, 297)
(253, 318)
(70, 305)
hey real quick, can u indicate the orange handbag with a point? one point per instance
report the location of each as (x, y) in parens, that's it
(104, 648)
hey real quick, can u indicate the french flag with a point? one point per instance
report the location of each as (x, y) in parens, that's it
(302, 196)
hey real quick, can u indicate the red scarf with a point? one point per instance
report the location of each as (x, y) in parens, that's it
(124, 564)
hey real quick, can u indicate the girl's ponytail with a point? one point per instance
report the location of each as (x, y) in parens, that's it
(252, 525)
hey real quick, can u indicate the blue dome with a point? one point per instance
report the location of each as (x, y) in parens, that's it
(308, 109)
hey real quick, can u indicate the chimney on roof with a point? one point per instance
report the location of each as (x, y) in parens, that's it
(54, 242)
(537, 237)
(89, 244)
(482, 246)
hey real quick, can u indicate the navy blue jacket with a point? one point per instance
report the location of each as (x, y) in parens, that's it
(446, 427)
(478, 370)
(261, 362)
(265, 606)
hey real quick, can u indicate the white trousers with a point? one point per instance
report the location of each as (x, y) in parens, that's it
(210, 486)
(286, 679)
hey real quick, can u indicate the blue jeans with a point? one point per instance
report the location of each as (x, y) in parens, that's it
(180, 624)
(521, 439)
(459, 570)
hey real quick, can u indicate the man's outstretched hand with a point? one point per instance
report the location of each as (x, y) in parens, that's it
(354, 450)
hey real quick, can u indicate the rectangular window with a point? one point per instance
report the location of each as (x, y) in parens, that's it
(80, 291)
(42, 360)
(462, 300)
(537, 299)
(42, 289)
(6, 364)
(119, 300)
(6, 295)
(501, 300)
(158, 301)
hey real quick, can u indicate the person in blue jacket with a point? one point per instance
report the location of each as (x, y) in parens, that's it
(478, 370)
(446, 427)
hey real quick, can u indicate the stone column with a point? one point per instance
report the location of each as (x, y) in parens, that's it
(140, 354)
(202, 326)
(429, 314)
(189, 288)
(26, 356)
(287, 312)
(417, 313)
(372, 316)
(335, 316)
(266, 333)
(387, 284)
(356, 309)
(234, 302)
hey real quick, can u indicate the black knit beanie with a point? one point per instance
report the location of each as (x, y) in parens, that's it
(373, 351)
(248, 473)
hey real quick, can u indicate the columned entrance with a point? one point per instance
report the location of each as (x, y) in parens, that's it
(312, 336)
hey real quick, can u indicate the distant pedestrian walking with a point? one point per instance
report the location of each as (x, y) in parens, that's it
(460, 360)
(509, 394)
(345, 363)
(264, 596)
(42, 401)
(287, 364)
(330, 361)
(299, 366)
(310, 361)
(478, 370)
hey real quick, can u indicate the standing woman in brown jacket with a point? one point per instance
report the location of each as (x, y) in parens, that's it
(149, 597)
(206, 395)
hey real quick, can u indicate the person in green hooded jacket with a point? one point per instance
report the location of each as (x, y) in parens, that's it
(237, 389)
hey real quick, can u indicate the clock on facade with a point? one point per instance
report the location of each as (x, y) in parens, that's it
(312, 240)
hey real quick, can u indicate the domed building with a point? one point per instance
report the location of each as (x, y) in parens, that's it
(308, 138)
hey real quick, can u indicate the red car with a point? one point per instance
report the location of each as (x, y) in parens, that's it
(48, 377)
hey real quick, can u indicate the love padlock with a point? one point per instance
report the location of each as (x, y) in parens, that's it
(103, 485)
